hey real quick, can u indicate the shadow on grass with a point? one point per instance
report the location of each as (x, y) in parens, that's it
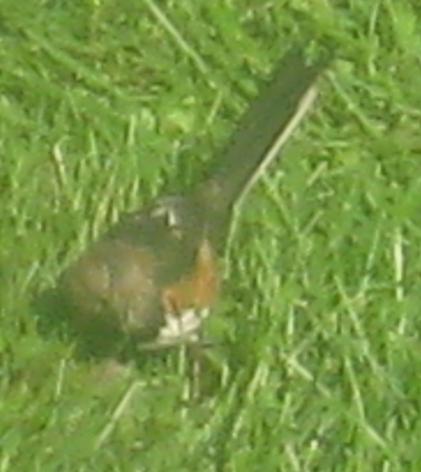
(100, 340)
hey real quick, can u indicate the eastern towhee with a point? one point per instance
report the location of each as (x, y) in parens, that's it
(153, 277)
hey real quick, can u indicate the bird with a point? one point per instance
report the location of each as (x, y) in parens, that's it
(152, 279)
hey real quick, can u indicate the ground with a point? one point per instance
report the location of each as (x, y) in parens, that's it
(316, 361)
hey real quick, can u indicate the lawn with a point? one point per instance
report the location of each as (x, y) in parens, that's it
(317, 359)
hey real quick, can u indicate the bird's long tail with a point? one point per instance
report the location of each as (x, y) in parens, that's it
(264, 129)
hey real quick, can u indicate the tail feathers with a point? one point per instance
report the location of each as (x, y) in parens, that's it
(264, 129)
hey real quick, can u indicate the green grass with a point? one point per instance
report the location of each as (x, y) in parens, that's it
(105, 104)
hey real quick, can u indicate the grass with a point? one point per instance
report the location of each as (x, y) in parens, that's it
(103, 105)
